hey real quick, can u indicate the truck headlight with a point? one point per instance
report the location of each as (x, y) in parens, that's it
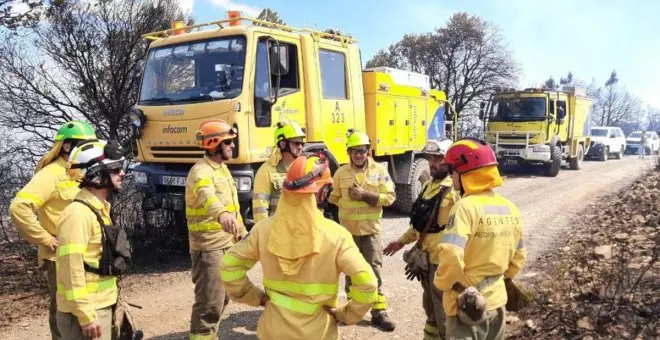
(243, 183)
(140, 177)
(541, 148)
(137, 117)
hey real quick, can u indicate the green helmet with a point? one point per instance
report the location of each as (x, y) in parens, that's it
(75, 129)
(356, 138)
(288, 130)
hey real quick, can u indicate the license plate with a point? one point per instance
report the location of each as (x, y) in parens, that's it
(510, 162)
(173, 180)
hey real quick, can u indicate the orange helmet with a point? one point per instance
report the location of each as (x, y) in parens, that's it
(308, 174)
(213, 132)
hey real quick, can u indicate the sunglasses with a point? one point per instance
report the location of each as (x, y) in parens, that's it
(297, 143)
(359, 151)
(115, 171)
(228, 142)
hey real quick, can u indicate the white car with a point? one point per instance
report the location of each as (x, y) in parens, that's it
(606, 141)
(652, 144)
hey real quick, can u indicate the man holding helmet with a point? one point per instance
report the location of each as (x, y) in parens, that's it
(361, 189)
(92, 252)
(428, 218)
(214, 224)
(482, 247)
(39, 204)
(302, 255)
(268, 180)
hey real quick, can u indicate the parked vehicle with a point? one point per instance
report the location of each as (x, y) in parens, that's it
(539, 126)
(634, 143)
(606, 141)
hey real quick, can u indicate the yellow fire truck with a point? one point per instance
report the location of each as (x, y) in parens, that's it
(538, 126)
(256, 74)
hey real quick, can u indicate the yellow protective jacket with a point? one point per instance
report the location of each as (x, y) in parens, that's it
(296, 299)
(268, 187)
(484, 238)
(430, 189)
(79, 292)
(211, 191)
(359, 217)
(38, 205)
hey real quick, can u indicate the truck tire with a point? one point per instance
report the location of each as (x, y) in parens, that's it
(604, 155)
(552, 168)
(575, 163)
(619, 155)
(406, 194)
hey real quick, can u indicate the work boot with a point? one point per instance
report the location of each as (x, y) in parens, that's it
(380, 319)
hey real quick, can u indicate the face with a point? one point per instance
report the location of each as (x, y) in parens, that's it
(227, 148)
(358, 155)
(117, 177)
(437, 166)
(295, 146)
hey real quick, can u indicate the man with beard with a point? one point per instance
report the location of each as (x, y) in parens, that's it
(92, 252)
(361, 189)
(434, 202)
(214, 224)
(268, 180)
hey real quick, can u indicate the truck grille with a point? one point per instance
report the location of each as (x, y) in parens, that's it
(176, 152)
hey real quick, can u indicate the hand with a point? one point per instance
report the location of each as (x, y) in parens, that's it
(93, 330)
(228, 222)
(52, 244)
(393, 247)
(264, 300)
(412, 272)
(355, 192)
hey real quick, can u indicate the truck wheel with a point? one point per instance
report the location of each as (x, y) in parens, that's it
(604, 154)
(619, 155)
(575, 163)
(406, 194)
(552, 168)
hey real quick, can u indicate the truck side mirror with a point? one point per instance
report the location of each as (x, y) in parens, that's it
(279, 60)
(561, 114)
(482, 112)
(447, 109)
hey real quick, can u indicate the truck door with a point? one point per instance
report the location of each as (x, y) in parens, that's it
(290, 103)
(336, 105)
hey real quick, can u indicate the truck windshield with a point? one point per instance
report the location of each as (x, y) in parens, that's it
(194, 72)
(518, 109)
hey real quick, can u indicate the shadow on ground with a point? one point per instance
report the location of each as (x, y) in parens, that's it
(237, 326)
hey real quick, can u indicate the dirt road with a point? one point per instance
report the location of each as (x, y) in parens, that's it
(548, 205)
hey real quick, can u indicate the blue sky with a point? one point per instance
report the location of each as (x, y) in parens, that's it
(588, 37)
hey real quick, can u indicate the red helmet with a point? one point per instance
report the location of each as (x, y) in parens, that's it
(470, 154)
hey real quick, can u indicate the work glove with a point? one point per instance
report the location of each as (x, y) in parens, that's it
(357, 193)
(417, 264)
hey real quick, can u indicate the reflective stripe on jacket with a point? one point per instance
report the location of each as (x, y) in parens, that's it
(359, 217)
(210, 191)
(79, 292)
(267, 189)
(39, 204)
(295, 308)
(484, 238)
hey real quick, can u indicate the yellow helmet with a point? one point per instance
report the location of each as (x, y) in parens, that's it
(288, 130)
(356, 138)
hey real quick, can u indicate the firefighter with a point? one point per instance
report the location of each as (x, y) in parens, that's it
(481, 250)
(361, 189)
(435, 193)
(91, 252)
(268, 180)
(214, 224)
(38, 205)
(302, 255)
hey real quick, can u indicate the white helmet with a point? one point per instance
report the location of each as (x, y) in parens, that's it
(96, 155)
(437, 147)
